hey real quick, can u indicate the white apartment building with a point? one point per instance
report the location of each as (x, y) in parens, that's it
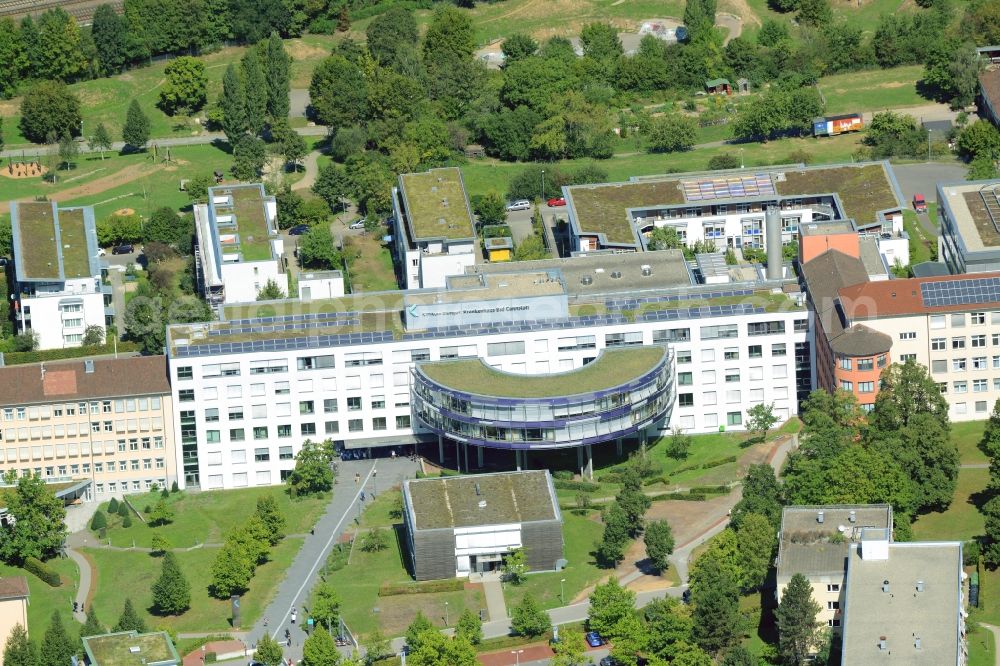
(238, 246)
(58, 291)
(106, 424)
(434, 231)
(249, 391)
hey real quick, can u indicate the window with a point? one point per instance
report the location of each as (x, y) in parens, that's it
(259, 411)
(938, 321)
(833, 587)
(285, 453)
(845, 363)
(236, 413)
(958, 320)
(307, 428)
(731, 354)
(958, 364)
(960, 387)
(833, 605)
(978, 318)
(260, 432)
(212, 436)
(981, 406)
(261, 455)
(184, 372)
(577, 343)
(684, 356)
(622, 339)
(938, 344)
(865, 364)
(979, 363)
(357, 359)
(331, 427)
(330, 405)
(908, 335)
(378, 402)
(353, 404)
(268, 367)
(505, 348)
(355, 425)
(686, 399)
(685, 378)
(801, 325)
(939, 365)
(903, 358)
(220, 370)
(185, 395)
(425, 354)
(866, 387)
(755, 351)
(778, 349)
(979, 386)
(732, 375)
(846, 385)
(212, 415)
(734, 418)
(306, 407)
(943, 387)
(978, 340)
(378, 423)
(282, 388)
(403, 421)
(719, 332)
(766, 327)
(672, 335)
(958, 343)
(237, 435)
(316, 362)
(285, 430)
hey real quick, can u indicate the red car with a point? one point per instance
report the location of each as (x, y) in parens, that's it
(556, 202)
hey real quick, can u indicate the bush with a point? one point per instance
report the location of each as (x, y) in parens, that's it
(970, 553)
(127, 520)
(663, 478)
(710, 490)
(396, 589)
(610, 477)
(147, 509)
(43, 571)
(22, 357)
(113, 506)
(689, 497)
(721, 461)
(724, 161)
(122, 509)
(579, 486)
(98, 521)
(210, 657)
(103, 533)
(337, 559)
(563, 475)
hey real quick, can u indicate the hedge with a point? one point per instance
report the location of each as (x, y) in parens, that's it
(663, 478)
(689, 497)
(610, 477)
(563, 475)
(43, 571)
(709, 490)
(20, 358)
(582, 486)
(720, 461)
(396, 589)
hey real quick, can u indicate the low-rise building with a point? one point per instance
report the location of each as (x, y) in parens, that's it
(105, 423)
(58, 291)
(13, 606)
(969, 215)
(238, 246)
(459, 525)
(131, 647)
(434, 232)
(814, 541)
(904, 603)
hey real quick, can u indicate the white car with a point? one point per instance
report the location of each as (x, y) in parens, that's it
(520, 204)
(357, 224)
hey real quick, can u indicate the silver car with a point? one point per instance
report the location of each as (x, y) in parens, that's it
(520, 204)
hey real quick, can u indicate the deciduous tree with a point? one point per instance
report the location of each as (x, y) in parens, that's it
(313, 473)
(470, 627)
(761, 418)
(762, 495)
(186, 86)
(317, 249)
(528, 618)
(320, 650)
(611, 549)
(325, 606)
(672, 133)
(110, 32)
(49, 108)
(659, 540)
(249, 156)
(268, 651)
(276, 65)
(715, 597)
(233, 105)
(255, 91)
(611, 606)
(101, 140)
(39, 528)
(270, 291)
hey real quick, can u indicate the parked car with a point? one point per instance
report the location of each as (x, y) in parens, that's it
(919, 203)
(124, 248)
(594, 639)
(298, 230)
(555, 202)
(101, 252)
(520, 204)
(608, 661)
(357, 224)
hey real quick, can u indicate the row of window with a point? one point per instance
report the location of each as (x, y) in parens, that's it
(306, 408)
(72, 409)
(305, 429)
(863, 387)
(958, 319)
(864, 364)
(76, 469)
(978, 386)
(73, 450)
(732, 375)
(734, 396)
(137, 486)
(961, 364)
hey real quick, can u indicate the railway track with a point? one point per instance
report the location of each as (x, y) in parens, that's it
(81, 10)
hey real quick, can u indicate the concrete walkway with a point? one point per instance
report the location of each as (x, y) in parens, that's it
(86, 579)
(311, 165)
(495, 604)
(996, 639)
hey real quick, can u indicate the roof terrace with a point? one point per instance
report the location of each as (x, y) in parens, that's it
(129, 648)
(51, 244)
(240, 214)
(436, 205)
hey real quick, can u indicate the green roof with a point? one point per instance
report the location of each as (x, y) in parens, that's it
(601, 209)
(612, 368)
(436, 205)
(38, 253)
(73, 235)
(251, 224)
(508, 497)
(117, 649)
(863, 189)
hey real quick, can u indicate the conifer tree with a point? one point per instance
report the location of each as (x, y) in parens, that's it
(171, 591)
(135, 132)
(130, 619)
(57, 647)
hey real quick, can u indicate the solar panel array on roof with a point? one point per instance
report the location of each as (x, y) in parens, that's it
(280, 319)
(701, 313)
(619, 304)
(725, 187)
(327, 323)
(499, 328)
(282, 344)
(960, 292)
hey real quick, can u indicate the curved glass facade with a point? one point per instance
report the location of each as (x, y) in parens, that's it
(550, 422)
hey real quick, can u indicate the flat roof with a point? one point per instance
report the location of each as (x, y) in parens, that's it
(812, 548)
(827, 228)
(611, 368)
(53, 244)
(128, 648)
(502, 498)
(974, 209)
(436, 205)
(930, 612)
(864, 189)
(246, 217)
(463, 288)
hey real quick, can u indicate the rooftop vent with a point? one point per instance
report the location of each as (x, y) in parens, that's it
(477, 490)
(647, 270)
(616, 274)
(434, 188)
(88, 366)
(820, 517)
(916, 642)
(885, 585)
(586, 280)
(920, 586)
(482, 504)
(444, 202)
(852, 516)
(883, 644)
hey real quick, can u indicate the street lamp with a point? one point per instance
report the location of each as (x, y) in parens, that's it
(562, 594)
(928, 144)
(741, 158)
(446, 622)
(543, 185)
(517, 656)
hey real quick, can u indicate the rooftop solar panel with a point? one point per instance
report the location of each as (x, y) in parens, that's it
(960, 292)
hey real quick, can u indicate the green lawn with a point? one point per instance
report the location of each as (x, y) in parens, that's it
(962, 520)
(874, 89)
(370, 263)
(43, 599)
(989, 597)
(982, 649)
(205, 517)
(123, 574)
(920, 242)
(579, 535)
(966, 436)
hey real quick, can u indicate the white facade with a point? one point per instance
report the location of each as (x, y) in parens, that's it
(324, 284)
(480, 541)
(243, 417)
(59, 313)
(244, 280)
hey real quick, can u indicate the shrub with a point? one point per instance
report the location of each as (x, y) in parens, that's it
(709, 490)
(721, 461)
(563, 475)
(210, 657)
(663, 478)
(970, 552)
(579, 486)
(174, 488)
(164, 493)
(103, 533)
(610, 477)
(98, 521)
(122, 509)
(337, 559)
(127, 520)
(113, 506)
(147, 509)
(43, 571)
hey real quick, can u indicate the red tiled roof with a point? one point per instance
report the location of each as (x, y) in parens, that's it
(13, 587)
(42, 382)
(892, 298)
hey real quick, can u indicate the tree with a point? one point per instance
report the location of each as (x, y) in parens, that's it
(317, 249)
(672, 133)
(99, 521)
(171, 591)
(375, 541)
(490, 208)
(739, 656)
(39, 528)
(761, 495)
(249, 157)
(756, 540)
(815, 12)
(319, 650)
(723, 161)
(269, 514)
(416, 629)
(233, 106)
(165, 226)
(268, 651)
(158, 542)
(313, 473)
(49, 109)
(669, 624)
(57, 648)
(270, 291)
(255, 91)
(796, 620)
(982, 168)
(760, 419)
(130, 619)
(231, 570)
(325, 606)
(666, 238)
(390, 33)
(127, 520)
(186, 86)
(110, 33)
(610, 607)
(68, 152)
(611, 549)
(123, 509)
(101, 139)
(93, 335)
(276, 69)
(58, 55)
(332, 185)
(18, 650)
(518, 47)
(338, 92)
(13, 57)
(161, 514)
(449, 34)
(715, 597)
(437, 649)
(135, 132)
(293, 148)
(528, 618)
(907, 390)
(979, 139)
(925, 453)
(659, 540)
(377, 646)
(470, 627)
(632, 500)
(569, 651)
(93, 626)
